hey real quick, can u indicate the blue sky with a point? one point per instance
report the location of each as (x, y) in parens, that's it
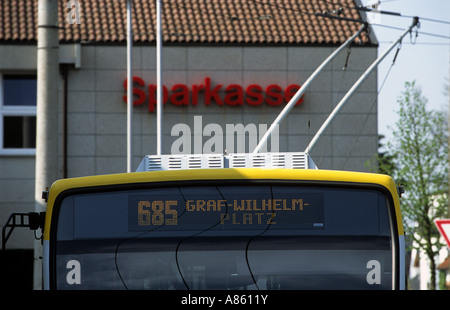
(426, 62)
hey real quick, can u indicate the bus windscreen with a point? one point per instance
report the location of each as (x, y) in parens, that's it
(225, 237)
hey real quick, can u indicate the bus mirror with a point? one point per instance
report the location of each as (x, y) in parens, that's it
(400, 190)
(45, 194)
(36, 220)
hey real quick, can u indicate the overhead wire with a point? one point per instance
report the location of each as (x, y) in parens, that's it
(419, 32)
(418, 43)
(428, 19)
(366, 9)
(269, 224)
(393, 14)
(141, 234)
(184, 239)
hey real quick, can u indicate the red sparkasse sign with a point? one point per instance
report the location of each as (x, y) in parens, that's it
(222, 95)
(443, 226)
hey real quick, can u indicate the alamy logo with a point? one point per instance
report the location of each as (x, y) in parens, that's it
(236, 138)
(74, 274)
(73, 16)
(374, 274)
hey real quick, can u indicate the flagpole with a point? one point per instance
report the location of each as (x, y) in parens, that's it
(129, 88)
(159, 94)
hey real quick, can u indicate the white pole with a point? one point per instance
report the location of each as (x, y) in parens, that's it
(354, 87)
(159, 94)
(47, 131)
(129, 88)
(302, 89)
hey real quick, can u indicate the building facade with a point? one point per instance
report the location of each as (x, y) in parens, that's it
(228, 63)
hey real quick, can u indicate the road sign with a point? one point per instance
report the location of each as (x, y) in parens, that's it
(444, 228)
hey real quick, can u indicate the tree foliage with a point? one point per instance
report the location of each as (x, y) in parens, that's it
(418, 157)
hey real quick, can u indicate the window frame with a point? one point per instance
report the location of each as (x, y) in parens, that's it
(14, 110)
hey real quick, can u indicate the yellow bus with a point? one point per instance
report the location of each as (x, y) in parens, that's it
(224, 228)
(249, 221)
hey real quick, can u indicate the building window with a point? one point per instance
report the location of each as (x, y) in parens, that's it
(18, 114)
(19, 132)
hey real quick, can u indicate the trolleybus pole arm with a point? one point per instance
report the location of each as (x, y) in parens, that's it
(356, 85)
(303, 88)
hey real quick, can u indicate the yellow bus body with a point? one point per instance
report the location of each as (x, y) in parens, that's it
(313, 175)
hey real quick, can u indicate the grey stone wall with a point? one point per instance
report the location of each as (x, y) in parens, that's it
(97, 118)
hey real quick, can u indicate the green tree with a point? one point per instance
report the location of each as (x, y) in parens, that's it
(419, 152)
(383, 162)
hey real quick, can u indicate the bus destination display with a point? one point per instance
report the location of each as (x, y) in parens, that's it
(169, 213)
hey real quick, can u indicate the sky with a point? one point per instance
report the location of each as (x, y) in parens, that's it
(427, 61)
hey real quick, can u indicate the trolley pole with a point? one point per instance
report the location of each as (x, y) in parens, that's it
(302, 89)
(355, 87)
(47, 131)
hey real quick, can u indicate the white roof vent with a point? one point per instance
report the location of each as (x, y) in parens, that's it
(298, 160)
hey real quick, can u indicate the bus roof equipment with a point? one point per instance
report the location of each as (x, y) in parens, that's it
(291, 160)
